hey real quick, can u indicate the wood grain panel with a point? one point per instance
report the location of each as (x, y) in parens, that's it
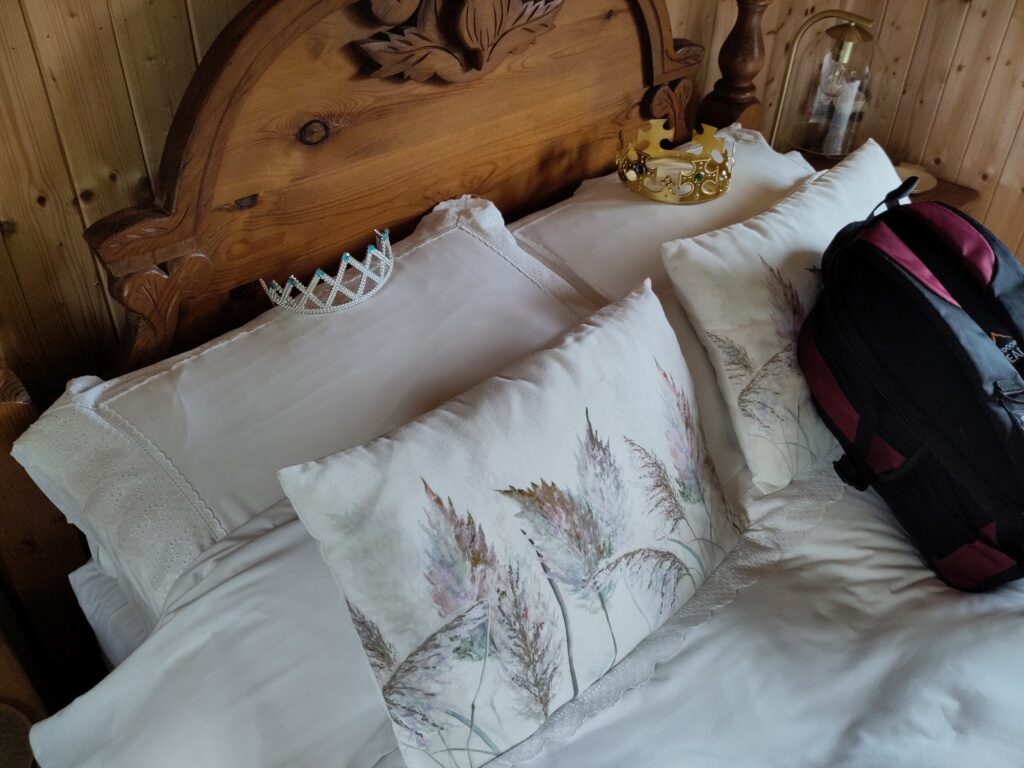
(18, 333)
(695, 21)
(154, 40)
(790, 14)
(208, 18)
(725, 17)
(55, 271)
(997, 120)
(1005, 215)
(933, 58)
(263, 158)
(895, 43)
(77, 50)
(964, 89)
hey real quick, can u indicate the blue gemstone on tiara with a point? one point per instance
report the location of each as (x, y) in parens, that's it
(346, 257)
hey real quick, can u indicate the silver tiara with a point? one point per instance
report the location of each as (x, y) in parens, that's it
(355, 282)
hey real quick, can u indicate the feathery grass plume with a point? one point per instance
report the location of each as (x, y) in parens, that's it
(600, 483)
(379, 651)
(461, 564)
(787, 309)
(680, 433)
(565, 533)
(527, 643)
(656, 572)
(661, 492)
(757, 400)
(738, 365)
(715, 500)
(411, 692)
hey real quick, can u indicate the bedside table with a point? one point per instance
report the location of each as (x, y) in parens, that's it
(946, 192)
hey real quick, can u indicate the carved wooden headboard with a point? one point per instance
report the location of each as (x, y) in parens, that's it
(311, 122)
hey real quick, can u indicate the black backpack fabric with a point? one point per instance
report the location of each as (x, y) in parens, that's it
(914, 355)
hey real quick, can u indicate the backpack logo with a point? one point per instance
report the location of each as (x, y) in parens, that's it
(1009, 347)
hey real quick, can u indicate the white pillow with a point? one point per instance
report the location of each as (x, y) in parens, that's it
(747, 289)
(503, 552)
(156, 466)
(609, 239)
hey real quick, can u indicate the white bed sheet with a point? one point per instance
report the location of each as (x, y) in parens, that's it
(848, 652)
(117, 625)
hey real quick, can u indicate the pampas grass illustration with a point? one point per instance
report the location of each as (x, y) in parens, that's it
(572, 533)
(378, 650)
(738, 365)
(758, 400)
(461, 563)
(412, 687)
(412, 690)
(656, 572)
(787, 309)
(525, 639)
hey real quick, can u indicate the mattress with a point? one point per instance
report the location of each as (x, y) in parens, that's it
(118, 627)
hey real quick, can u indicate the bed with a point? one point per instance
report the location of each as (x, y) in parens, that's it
(820, 639)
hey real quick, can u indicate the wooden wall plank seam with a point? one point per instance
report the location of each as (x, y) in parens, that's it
(54, 268)
(997, 121)
(154, 41)
(1005, 214)
(933, 59)
(964, 89)
(20, 341)
(208, 18)
(895, 45)
(77, 52)
(725, 16)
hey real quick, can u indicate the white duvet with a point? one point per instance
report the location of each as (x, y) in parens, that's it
(846, 652)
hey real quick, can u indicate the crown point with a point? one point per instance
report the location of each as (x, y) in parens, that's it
(345, 258)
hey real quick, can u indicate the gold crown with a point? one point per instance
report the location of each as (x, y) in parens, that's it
(696, 172)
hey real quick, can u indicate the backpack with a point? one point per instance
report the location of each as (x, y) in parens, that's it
(914, 355)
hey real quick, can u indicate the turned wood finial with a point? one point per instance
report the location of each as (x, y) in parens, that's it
(734, 97)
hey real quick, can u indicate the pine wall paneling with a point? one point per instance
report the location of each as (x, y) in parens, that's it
(55, 273)
(88, 89)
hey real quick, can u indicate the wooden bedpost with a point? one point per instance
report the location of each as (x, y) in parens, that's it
(734, 98)
(38, 548)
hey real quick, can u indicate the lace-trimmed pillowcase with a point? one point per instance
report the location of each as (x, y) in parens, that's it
(747, 289)
(157, 466)
(503, 552)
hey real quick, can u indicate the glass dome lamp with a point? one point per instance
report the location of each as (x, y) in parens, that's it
(826, 121)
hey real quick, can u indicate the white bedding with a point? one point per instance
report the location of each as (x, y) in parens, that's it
(117, 625)
(847, 653)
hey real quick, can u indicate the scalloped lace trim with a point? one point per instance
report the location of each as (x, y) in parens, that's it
(782, 520)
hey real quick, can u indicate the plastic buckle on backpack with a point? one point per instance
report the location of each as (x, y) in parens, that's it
(850, 474)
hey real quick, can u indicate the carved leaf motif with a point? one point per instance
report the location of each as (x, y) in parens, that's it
(155, 297)
(413, 55)
(492, 29)
(393, 12)
(669, 102)
(688, 53)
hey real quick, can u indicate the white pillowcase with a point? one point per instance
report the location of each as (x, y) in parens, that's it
(609, 239)
(503, 552)
(158, 465)
(747, 289)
